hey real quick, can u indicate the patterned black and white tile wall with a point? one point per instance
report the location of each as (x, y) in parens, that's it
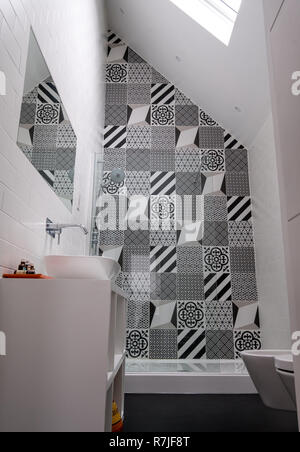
(47, 138)
(191, 284)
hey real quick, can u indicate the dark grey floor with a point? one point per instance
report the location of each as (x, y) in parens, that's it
(204, 413)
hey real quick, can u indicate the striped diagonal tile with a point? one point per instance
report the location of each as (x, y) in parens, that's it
(162, 94)
(223, 288)
(115, 137)
(48, 94)
(112, 38)
(163, 259)
(217, 286)
(191, 344)
(231, 142)
(163, 183)
(239, 208)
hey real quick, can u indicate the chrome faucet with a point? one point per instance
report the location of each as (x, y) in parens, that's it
(57, 229)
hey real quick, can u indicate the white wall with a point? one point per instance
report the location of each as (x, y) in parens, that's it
(71, 36)
(271, 272)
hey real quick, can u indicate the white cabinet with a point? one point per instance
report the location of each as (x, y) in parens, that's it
(65, 358)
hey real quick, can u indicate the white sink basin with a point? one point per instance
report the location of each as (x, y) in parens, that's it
(82, 267)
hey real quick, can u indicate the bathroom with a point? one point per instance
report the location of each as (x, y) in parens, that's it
(148, 215)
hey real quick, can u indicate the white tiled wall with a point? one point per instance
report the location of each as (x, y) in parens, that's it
(71, 36)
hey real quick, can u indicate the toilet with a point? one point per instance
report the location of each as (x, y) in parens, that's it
(285, 369)
(270, 384)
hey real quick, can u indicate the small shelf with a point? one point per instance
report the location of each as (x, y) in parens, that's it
(119, 360)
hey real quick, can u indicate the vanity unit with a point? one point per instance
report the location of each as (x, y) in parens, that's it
(65, 360)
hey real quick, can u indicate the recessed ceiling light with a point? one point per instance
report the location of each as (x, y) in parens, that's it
(122, 11)
(217, 16)
(238, 109)
(178, 59)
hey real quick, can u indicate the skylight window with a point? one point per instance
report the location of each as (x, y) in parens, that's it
(216, 16)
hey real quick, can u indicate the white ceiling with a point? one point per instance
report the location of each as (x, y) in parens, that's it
(216, 77)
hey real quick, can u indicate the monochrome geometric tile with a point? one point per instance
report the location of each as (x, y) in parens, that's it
(138, 115)
(213, 184)
(139, 137)
(137, 160)
(31, 97)
(163, 183)
(47, 93)
(162, 208)
(182, 99)
(190, 287)
(113, 39)
(217, 286)
(109, 187)
(66, 137)
(190, 315)
(44, 159)
(191, 344)
(138, 183)
(111, 238)
(45, 137)
(219, 316)
(137, 286)
(186, 184)
(190, 211)
(163, 259)
(135, 259)
(216, 259)
(187, 137)
(163, 315)
(137, 344)
(65, 159)
(137, 238)
(139, 73)
(215, 208)
(188, 160)
(162, 94)
(115, 137)
(139, 94)
(163, 286)
(230, 142)
(163, 115)
(246, 341)
(211, 137)
(219, 345)
(244, 287)
(239, 208)
(190, 260)
(116, 94)
(163, 238)
(116, 73)
(63, 184)
(240, 234)
(246, 315)
(114, 158)
(162, 160)
(237, 184)
(163, 138)
(116, 115)
(47, 113)
(215, 233)
(133, 57)
(28, 113)
(187, 115)
(163, 344)
(237, 160)
(242, 260)
(117, 53)
(158, 78)
(206, 120)
(212, 161)
(138, 315)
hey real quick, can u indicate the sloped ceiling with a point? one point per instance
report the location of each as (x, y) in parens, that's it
(216, 77)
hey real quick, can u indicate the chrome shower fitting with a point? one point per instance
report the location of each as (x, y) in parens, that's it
(57, 229)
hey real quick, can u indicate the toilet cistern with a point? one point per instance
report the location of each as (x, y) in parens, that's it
(57, 229)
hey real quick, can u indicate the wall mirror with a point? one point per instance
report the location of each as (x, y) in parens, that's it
(46, 135)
